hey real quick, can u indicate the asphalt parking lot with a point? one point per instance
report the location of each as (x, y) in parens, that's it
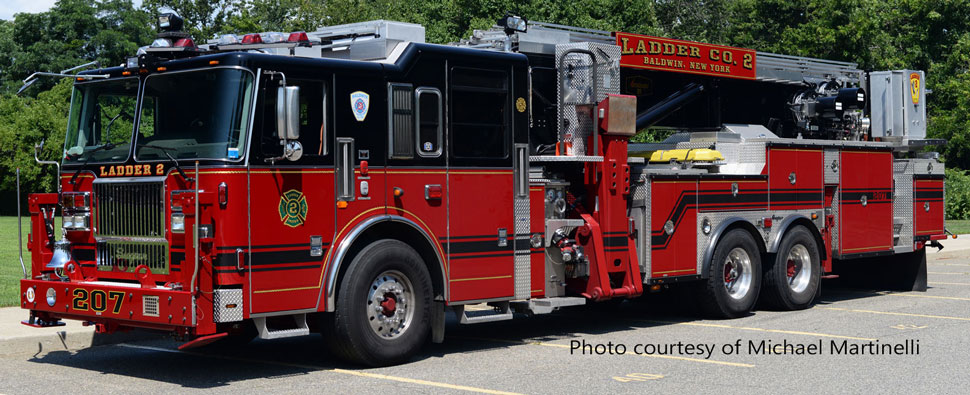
(667, 348)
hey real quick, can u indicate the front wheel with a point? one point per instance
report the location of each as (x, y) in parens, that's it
(383, 307)
(792, 281)
(733, 277)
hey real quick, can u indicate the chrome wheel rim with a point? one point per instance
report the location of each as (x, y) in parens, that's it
(737, 273)
(798, 268)
(390, 304)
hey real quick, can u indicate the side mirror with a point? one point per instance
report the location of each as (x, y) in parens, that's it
(288, 113)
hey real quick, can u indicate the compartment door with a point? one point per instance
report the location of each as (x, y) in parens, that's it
(928, 207)
(865, 202)
(673, 232)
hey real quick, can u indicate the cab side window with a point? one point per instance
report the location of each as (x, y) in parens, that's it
(313, 114)
(416, 121)
(480, 113)
(428, 121)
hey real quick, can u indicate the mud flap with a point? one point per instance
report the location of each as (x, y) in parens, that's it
(438, 322)
(915, 271)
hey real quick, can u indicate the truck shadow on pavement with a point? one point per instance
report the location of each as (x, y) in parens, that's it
(216, 365)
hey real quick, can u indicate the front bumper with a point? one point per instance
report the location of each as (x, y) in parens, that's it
(112, 304)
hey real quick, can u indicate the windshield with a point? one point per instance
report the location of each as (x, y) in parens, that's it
(200, 114)
(101, 121)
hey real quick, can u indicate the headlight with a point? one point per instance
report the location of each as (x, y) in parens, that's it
(51, 297)
(178, 223)
(76, 221)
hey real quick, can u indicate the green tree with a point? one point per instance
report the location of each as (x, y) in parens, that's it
(25, 121)
(71, 33)
(696, 20)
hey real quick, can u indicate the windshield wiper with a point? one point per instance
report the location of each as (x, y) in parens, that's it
(165, 150)
(102, 147)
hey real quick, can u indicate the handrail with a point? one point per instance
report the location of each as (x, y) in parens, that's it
(195, 233)
(20, 232)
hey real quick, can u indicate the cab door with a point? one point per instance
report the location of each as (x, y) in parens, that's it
(416, 172)
(481, 236)
(360, 118)
(291, 211)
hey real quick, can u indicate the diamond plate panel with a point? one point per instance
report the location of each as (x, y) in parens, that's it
(918, 166)
(689, 145)
(575, 87)
(227, 297)
(836, 247)
(641, 189)
(753, 153)
(831, 163)
(731, 152)
(523, 260)
(903, 210)
(643, 235)
(716, 218)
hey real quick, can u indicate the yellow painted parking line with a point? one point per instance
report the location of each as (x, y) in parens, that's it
(544, 344)
(746, 328)
(942, 317)
(335, 370)
(939, 283)
(914, 295)
(423, 382)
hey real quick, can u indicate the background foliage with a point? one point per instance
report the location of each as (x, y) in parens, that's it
(932, 35)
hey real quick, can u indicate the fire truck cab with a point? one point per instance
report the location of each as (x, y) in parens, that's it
(358, 182)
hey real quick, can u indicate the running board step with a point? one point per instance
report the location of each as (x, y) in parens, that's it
(500, 312)
(266, 332)
(546, 305)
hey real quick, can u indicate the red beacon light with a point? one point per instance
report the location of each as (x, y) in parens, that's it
(252, 38)
(298, 37)
(184, 43)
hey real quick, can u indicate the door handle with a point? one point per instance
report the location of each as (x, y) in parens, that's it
(240, 259)
(432, 192)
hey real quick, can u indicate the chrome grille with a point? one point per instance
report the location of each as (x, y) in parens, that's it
(125, 256)
(135, 209)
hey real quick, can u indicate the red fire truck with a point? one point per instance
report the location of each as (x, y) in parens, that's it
(358, 182)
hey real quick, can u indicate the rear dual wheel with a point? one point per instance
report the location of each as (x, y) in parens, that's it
(792, 281)
(733, 277)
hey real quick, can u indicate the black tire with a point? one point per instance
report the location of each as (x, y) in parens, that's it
(716, 299)
(792, 280)
(396, 267)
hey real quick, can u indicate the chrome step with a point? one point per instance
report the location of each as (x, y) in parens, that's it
(267, 333)
(499, 312)
(546, 305)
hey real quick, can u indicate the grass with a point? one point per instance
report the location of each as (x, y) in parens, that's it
(10, 271)
(958, 226)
